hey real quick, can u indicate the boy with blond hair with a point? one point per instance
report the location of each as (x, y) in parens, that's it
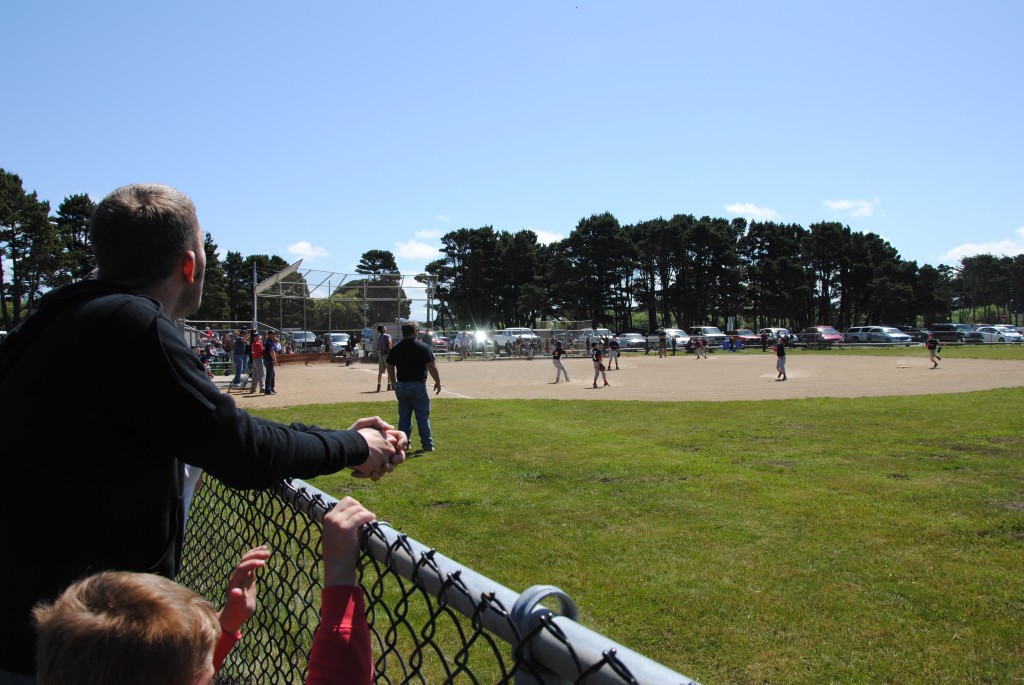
(125, 628)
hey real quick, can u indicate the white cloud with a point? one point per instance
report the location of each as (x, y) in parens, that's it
(417, 250)
(853, 207)
(305, 250)
(427, 233)
(544, 237)
(751, 211)
(547, 237)
(1011, 247)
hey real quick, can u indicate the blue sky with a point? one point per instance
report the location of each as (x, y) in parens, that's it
(320, 130)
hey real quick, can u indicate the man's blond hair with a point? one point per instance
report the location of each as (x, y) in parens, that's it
(122, 628)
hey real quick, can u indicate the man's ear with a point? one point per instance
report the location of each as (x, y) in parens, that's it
(188, 266)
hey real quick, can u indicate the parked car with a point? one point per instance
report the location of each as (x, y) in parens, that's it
(435, 342)
(681, 338)
(774, 333)
(479, 342)
(712, 335)
(916, 334)
(632, 342)
(888, 334)
(949, 332)
(991, 334)
(1012, 331)
(337, 342)
(305, 341)
(877, 334)
(747, 336)
(856, 334)
(819, 335)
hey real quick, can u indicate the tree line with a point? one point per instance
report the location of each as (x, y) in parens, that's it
(686, 271)
(40, 251)
(681, 271)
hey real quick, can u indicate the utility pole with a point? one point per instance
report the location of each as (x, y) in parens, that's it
(253, 296)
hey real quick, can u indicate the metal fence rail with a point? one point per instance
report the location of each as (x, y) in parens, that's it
(432, 620)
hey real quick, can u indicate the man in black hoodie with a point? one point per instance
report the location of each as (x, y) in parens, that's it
(115, 458)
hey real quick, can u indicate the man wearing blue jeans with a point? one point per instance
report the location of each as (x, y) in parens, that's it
(239, 357)
(409, 362)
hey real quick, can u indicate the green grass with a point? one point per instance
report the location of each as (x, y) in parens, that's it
(973, 351)
(801, 541)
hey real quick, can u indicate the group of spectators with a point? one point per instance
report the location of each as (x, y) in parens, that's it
(521, 347)
(253, 355)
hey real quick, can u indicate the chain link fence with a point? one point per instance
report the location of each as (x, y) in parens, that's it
(432, 620)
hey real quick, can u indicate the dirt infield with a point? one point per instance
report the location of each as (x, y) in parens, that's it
(747, 375)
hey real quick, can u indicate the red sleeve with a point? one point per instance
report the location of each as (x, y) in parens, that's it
(224, 645)
(342, 653)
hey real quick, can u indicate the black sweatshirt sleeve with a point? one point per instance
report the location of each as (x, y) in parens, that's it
(241, 450)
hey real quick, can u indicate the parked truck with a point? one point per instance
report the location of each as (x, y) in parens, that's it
(712, 335)
(599, 335)
(506, 339)
(949, 332)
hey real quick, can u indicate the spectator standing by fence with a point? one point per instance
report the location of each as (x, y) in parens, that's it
(256, 346)
(239, 357)
(128, 488)
(270, 364)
